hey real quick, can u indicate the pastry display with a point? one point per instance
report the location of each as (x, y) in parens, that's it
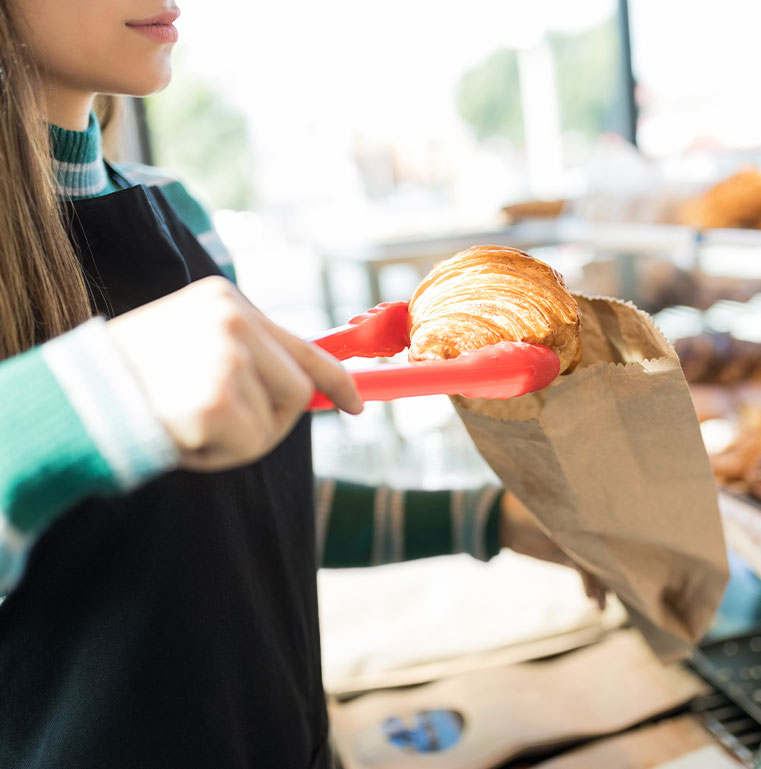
(724, 375)
(532, 209)
(719, 358)
(489, 294)
(733, 414)
(738, 465)
(733, 202)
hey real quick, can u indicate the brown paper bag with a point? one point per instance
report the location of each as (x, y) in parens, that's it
(611, 462)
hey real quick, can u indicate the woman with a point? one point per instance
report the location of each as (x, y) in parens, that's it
(157, 539)
(174, 624)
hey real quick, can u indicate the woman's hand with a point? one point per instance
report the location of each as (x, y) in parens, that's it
(226, 382)
(520, 532)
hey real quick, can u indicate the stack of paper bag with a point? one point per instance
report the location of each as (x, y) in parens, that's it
(482, 719)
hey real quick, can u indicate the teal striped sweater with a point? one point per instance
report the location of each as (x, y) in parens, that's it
(75, 423)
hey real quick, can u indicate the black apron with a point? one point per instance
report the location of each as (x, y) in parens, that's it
(174, 627)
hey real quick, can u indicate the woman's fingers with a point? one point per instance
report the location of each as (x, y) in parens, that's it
(323, 370)
(593, 588)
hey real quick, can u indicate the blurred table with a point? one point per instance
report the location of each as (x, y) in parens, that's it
(627, 241)
(421, 253)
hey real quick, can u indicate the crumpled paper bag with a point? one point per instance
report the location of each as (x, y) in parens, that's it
(611, 462)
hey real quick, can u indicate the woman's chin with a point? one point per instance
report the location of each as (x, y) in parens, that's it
(144, 84)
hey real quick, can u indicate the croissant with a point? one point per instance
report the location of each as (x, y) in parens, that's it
(489, 294)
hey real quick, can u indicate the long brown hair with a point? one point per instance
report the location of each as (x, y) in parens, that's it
(42, 290)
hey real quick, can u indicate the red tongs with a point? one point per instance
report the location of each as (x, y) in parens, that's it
(503, 370)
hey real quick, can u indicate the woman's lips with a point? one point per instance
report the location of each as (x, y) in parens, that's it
(159, 28)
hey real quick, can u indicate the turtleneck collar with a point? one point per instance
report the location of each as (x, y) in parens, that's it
(78, 165)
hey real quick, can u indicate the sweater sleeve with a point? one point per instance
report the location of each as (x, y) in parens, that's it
(361, 525)
(74, 423)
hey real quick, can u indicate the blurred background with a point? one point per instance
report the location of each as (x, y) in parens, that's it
(343, 148)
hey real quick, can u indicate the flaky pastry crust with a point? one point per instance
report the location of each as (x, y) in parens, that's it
(490, 294)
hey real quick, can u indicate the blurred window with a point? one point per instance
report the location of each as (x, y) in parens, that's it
(345, 119)
(696, 67)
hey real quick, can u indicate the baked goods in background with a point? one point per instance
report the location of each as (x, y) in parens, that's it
(661, 284)
(719, 358)
(738, 467)
(732, 414)
(733, 202)
(724, 376)
(489, 294)
(532, 209)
